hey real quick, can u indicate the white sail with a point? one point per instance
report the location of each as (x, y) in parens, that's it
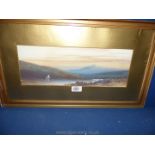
(48, 77)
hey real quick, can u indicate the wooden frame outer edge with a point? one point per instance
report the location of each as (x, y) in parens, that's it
(84, 22)
(3, 91)
(103, 23)
(148, 72)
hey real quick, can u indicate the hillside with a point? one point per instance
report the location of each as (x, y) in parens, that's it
(107, 75)
(32, 71)
(95, 72)
(92, 69)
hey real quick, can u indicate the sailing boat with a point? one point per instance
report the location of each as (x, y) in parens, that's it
(48, 78)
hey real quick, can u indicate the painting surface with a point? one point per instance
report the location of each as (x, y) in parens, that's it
(67, 66)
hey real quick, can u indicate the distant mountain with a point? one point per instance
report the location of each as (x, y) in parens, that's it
(32, 71)
(92, 69)
(107, 75)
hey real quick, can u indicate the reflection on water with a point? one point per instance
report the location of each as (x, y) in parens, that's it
(58, 82)
(88, 82)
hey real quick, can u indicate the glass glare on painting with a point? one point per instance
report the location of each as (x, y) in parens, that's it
(69, 66)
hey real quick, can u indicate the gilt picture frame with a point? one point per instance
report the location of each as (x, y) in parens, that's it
(76, 63)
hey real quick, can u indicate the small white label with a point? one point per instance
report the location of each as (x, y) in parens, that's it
(76, 89)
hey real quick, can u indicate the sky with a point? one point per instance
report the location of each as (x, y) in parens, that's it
(71, 57)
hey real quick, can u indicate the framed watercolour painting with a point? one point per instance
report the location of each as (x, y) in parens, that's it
(76, 63)
(86, 67)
